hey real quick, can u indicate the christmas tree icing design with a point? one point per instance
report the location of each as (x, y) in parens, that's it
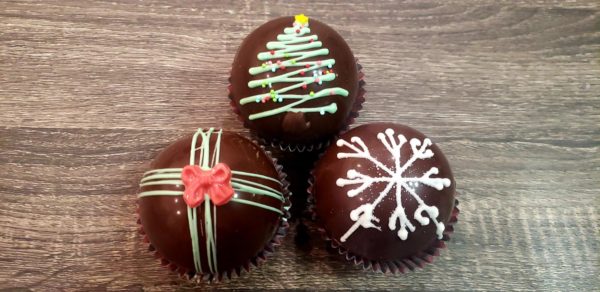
(287, 56)
(394, 178)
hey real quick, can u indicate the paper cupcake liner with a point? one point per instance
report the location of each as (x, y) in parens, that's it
(252, 263)
(314, 146)
(417, 261)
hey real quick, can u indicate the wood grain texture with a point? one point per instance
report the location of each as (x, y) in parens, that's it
(90, 91)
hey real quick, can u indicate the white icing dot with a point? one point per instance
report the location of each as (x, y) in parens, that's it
(403, 234)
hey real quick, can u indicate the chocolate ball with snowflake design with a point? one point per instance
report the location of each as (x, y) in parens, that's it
(385, 195)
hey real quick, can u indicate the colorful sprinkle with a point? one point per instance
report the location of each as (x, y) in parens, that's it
(312, 93)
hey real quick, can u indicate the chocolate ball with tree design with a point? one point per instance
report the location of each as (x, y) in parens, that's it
(295, 81)
(385, 195)
(213, 204)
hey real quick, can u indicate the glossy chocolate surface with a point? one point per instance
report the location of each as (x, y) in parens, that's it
(295, 127)
(242, 231)
(333, 205)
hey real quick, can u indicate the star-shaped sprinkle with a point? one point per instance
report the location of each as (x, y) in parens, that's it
(301, 19)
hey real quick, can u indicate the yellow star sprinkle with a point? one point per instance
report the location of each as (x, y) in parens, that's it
(301, 19)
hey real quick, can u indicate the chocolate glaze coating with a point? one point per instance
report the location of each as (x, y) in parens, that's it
(243, 232)
(333, 205)
(300, 128)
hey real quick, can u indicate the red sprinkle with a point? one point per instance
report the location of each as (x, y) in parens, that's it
(316, 80)
(297, 31)
(282, 67)
(302, 73)
(303, 86)
(331, 92)
(311, 40)
(272, 52)
(319, 62)
(307, 66)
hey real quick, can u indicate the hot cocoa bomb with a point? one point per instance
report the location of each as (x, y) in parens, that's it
(385, 195)
(213, 204)
(295, 80)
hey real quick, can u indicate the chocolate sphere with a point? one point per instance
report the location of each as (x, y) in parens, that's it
(384, 193)
(213, 204)
(295, 80)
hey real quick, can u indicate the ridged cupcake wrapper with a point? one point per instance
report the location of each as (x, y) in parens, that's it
(417, 261)
(315, 146)
(252, 263)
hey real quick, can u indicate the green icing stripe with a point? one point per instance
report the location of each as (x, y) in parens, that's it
(162, 182)
(287, 76)
(193, 226)
(235, 172)
(162, 170)
(255, 204)
(290, 49)
(290, 107)
(247, 182)
(193, 147)
(161, 176)
(211, 248)
(192, 220)
(211, 251)
(331, 108)
(160, 193)
(248, 189)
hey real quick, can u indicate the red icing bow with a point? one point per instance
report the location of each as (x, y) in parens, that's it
(215, 182)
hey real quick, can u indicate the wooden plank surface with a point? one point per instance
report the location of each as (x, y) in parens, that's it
(90, 91)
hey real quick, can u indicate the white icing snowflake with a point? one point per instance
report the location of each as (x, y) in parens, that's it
(393, 177)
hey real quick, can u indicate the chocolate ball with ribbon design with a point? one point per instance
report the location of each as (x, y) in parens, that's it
(213, 204)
